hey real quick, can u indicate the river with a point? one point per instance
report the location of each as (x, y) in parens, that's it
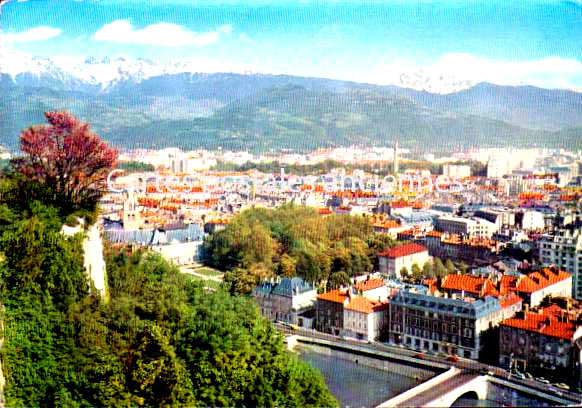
(357, 385)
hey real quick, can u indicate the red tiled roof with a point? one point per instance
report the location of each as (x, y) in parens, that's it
(403, 250)
(507, 284)
(470, 284)
(400, 204)
(540, 323)
(508, 300)
(434, 233)
(337, 296)
(363, 305)
(369, 284)
(387, 224)
(541, 279)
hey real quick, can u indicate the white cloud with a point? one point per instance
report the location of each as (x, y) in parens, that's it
(551, 72)
(34, 34)
(160, 34)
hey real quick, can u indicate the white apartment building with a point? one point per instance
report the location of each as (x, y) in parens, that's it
(532, 220)
(564, 249)
(394, 259)
(457, 170)
(471, 227)
(499, 166)
(364, 319)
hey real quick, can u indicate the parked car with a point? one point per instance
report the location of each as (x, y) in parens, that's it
(520, 375)
(528, 375)
(419, 355)
(453, 358)
(562, 386)
(542, 380)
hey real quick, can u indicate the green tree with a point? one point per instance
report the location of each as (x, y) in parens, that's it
(428, 270)
(439, 268)
(462, 267)
(337, 280)
(287, 266)
(416, 272)
(404, 273)
(450, 267)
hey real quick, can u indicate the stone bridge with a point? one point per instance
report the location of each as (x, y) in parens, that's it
(442, 390)
(446, 388)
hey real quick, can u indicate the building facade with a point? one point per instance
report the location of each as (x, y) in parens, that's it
(564, 249)
(286, 299)
(329, 311)
(433, 321)
(470, 227)
(542, 343)
(365, 319)
(394, 259)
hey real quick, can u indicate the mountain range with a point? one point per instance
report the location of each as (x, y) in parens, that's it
(138, 103)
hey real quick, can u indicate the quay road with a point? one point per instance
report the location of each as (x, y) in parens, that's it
(470, 365)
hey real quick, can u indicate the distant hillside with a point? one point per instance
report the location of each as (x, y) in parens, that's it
(265, 112)
(527, 106)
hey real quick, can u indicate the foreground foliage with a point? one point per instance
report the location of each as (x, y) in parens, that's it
(161, 340)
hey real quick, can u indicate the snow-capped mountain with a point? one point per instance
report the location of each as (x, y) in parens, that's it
(434, 83)
(76, 73)
(90, 74)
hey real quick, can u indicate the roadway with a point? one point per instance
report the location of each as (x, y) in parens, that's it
(472, 367)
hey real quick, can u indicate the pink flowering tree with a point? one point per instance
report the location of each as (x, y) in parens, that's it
(66, 157)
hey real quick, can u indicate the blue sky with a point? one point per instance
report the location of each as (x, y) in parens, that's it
(500, 41)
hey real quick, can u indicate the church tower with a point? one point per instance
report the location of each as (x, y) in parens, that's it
(131, 215)
(395, 161)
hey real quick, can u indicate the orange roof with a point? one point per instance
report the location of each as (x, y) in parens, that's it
(369, 284)
(541, 279)
(509, 299)
(400, 204)
(543, 324)
(403, 250)
(337, 296)
(470, 284)
(407, 232)
(387, 224)
(363, 305)
(434, 233)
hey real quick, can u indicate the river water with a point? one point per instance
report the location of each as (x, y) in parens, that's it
(357, 385)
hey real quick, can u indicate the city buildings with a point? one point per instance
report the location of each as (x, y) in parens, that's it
(456, 170)
(329, 311)
(535, 286)
(563, 249)
(365, 319)
(391, 261)
(471, 227)
(286, 300)
(427, 319)
(542, 341)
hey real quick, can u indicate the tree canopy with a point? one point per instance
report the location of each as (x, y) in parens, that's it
(67, 157)
(294, 240)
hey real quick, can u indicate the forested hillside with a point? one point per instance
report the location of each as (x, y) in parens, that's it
(158, 339)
